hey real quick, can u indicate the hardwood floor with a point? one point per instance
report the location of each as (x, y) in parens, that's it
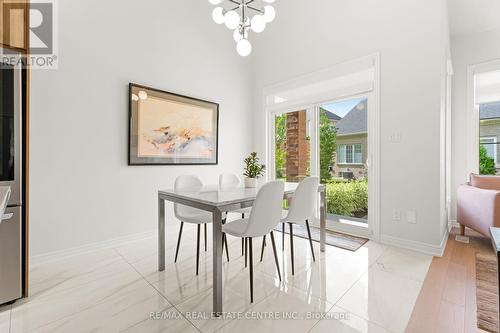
(447, 301)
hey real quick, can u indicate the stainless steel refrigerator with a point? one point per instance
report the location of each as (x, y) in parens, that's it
(11, 173)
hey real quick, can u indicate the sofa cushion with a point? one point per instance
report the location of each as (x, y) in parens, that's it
(485, 182)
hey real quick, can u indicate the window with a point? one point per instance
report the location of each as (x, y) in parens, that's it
(350, 154)
(490, 144)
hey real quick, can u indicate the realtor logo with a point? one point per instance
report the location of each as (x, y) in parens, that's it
(42, 32)
(41, 28)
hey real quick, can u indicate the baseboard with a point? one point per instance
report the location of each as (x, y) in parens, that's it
(71, 252)
(431, 249)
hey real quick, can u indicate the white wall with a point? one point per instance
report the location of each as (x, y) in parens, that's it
(412, 39)
(82, 190)
(466, 50)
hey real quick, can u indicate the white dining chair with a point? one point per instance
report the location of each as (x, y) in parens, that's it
(227, 181)
(192, 215)
(302, 210)
(266, 214)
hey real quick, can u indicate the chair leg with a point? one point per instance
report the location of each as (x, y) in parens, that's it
(262, 249)
(198, 249)
(246, 251)
(205, 237)
(291, 247)
(224, 245)
(242, 240)
(178, 242)
(462, 230)
(251, 268)
(275, 255)
(283, 237)
(310, 240)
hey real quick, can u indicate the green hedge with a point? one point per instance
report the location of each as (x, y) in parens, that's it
(347, 198)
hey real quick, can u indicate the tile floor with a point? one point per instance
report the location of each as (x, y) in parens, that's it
(371, 290)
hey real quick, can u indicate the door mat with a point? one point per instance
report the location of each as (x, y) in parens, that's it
(343, 241)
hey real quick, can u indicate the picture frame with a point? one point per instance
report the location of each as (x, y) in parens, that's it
(166, 128)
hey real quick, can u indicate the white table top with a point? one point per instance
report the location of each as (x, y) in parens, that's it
(215, 196)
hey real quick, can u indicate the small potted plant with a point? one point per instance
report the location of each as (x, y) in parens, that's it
(253, 170)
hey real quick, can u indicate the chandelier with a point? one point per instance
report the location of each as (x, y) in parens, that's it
(241, 16)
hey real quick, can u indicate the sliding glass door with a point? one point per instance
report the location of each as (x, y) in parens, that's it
(344, 158)
(329, 140)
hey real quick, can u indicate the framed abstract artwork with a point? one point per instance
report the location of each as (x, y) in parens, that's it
(171, 129)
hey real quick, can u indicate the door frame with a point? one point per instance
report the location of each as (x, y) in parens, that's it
(473, 139)
(374, 190)
(372, 156)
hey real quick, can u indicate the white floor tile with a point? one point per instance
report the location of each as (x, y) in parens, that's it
(406, 263)
(37, 311)
(198, 309)
(288, 309)
(383, 298)
(117, 289)
(170, 321)
(5, 318)
(341, 321)
(131, 304)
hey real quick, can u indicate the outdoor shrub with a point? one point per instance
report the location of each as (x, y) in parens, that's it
(347, 198)
(486, 163)
(360, 189)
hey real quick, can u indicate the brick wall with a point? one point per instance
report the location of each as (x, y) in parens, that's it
(297, 146)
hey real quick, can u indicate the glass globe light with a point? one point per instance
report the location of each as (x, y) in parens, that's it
(218, 15)
(244, 47)
(135, 98)
(269, 1)
(215, 2)
(269, 13)
(143, 95)
(231, 19)
(258, 23)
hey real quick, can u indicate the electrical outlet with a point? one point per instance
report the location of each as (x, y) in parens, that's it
(395, 137)
(411, 216)
(396, 215)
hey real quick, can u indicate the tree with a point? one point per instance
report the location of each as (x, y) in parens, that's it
(280, 145)
(486, 163)
(327, 144)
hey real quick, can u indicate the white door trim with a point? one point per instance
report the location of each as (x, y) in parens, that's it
(373, 128)
(473, 113)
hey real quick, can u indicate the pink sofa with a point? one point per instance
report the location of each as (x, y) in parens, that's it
(478, 204)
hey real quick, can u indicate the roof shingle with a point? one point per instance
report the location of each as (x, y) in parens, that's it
(355, 122)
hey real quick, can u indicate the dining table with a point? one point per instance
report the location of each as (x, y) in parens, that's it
(219, 200)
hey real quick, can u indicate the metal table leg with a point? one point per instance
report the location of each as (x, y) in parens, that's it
(322, 222)
(161, 234)
(217, 261)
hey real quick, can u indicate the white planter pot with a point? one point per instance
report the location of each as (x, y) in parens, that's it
(250, 182)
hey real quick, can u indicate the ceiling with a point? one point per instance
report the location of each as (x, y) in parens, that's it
(473, 16)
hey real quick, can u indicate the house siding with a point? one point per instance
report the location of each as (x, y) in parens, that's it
(359, 171)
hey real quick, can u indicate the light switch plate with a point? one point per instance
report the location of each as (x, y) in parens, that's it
(395, 137)
(396, 215)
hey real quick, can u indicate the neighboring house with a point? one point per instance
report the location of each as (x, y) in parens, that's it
(489, 129)
(352, 143)
(333, 117)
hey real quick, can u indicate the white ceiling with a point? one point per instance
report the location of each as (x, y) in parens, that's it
(473, 16)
